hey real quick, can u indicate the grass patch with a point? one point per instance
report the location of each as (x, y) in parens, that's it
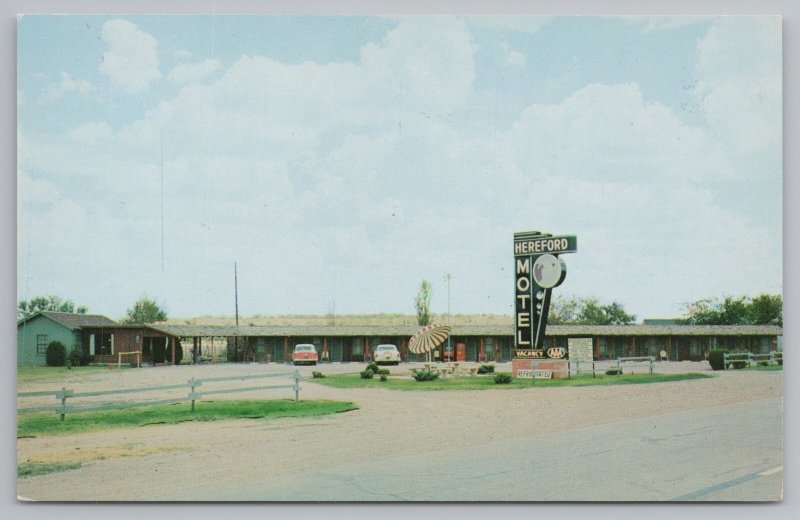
(49, 423)
(487, 382)
(33, 469)
(38, 374)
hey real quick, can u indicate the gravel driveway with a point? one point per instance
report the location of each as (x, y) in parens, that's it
(162, 462)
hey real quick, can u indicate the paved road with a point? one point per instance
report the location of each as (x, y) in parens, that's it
(731, 452)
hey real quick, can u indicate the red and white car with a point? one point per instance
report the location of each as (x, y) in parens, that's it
(305, 354)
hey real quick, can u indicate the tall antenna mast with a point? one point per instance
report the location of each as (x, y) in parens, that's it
(162, 200)
(236, 291)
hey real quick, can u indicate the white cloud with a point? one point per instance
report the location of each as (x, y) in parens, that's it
(739, 67)
(191, 73)
(131, 60)
(67, 85)
(182, 54)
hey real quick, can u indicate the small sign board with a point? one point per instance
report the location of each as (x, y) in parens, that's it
(580, 349)
(527, 353)
(535, 374)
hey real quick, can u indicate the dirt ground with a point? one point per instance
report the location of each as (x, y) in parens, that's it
(161, 462)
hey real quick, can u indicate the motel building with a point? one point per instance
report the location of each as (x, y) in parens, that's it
(104, 339)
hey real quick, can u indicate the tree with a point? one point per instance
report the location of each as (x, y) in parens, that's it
(767, 309)
(587, 311)
(47, 303)
(144, 311)
(764, 309)
(423, 303)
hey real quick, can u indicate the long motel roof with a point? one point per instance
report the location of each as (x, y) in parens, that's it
(465, 330)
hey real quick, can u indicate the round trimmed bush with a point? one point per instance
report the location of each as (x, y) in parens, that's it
(374, 367)
(486, 369)
(425, 375)
(716, 358)
(367, 374)
(614, 372)
(383, 378)
(56, 354)
(502, 379)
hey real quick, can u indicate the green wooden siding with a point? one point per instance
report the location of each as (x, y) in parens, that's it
(27, 334)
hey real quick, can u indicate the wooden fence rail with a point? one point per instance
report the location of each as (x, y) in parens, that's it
(62, 395)
(644, 359)
(748, 357)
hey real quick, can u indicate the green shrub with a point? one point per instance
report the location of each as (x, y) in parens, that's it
(502, 379)
(178, 354)
(383, 372)
(780, 361)
(317, 375)
(486, 369)
(78, 357)
(383, 377)
(374, 367)
(56, 354)
(614, 372)
(425, 375)
(367, 374)
(763, 363)
(738, 364)
(716, 358)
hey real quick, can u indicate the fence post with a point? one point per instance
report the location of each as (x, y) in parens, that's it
(191, 393)
(296, 385)
(569, 369)
(651, 364)
(725, 361)
(63, 402)
(593, 375)
(619, 368)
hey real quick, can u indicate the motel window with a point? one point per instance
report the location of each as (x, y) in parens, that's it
(694, 347)
(604, 350)
(358, 347)
(104, 343)
(488, 347)
(41, 343)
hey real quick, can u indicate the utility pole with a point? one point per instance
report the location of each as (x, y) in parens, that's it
(449, 321)
(236, 292)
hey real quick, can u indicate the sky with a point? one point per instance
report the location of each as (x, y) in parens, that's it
(341, 160)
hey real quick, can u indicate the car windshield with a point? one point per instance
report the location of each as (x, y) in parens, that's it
(387, 347)
(300, 348)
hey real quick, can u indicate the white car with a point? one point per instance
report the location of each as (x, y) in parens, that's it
(386, 354)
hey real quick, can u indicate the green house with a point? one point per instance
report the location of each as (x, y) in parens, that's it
(37, 331)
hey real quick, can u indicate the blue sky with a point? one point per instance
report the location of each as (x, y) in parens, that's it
(340, 160)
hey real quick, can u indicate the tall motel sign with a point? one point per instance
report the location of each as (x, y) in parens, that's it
(538, 269)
